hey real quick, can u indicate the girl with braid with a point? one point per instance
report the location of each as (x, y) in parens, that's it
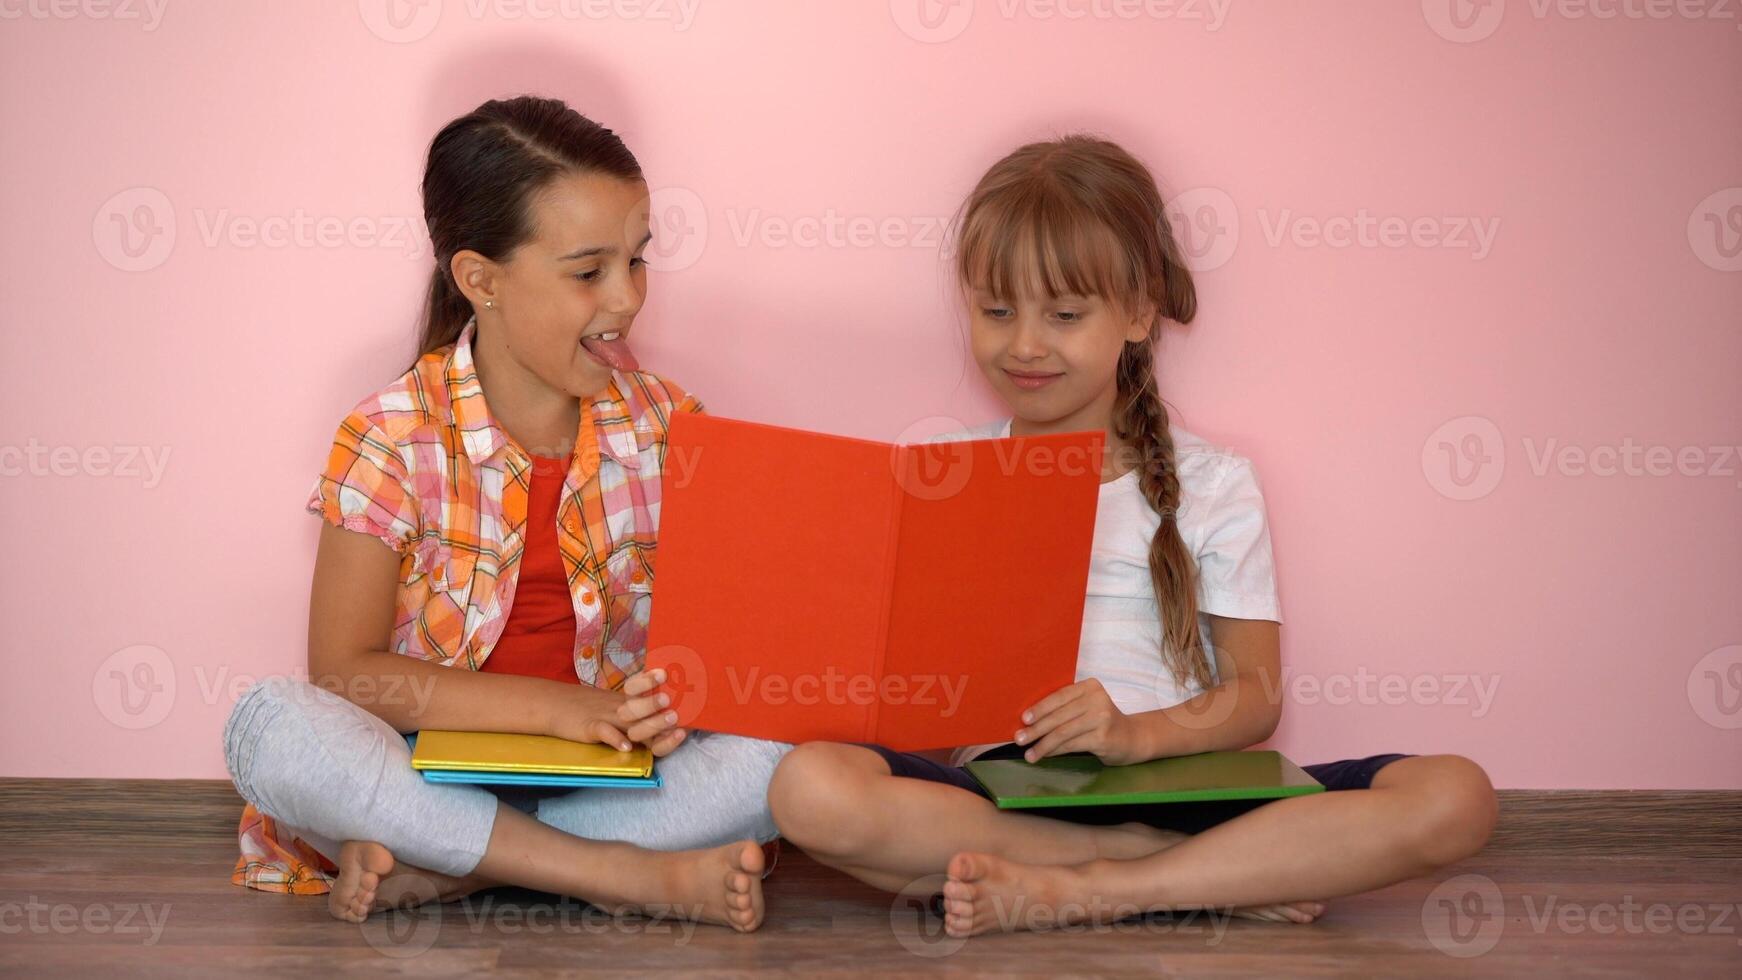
(1070, 267)
(490, 521)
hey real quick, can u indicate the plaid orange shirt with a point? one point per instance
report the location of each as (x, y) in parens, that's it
(423, 466)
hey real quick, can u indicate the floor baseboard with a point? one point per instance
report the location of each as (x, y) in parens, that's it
(1620, 822)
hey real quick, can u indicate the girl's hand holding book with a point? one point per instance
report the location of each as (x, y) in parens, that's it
(620, 719)
(1080, 718)
(645, 713)
(589, 714)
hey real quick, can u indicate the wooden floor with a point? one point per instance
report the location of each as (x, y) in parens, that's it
(107, 878)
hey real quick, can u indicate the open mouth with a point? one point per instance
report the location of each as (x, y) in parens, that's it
(611, 349)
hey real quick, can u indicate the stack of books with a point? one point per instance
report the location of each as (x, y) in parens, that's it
(503, 759)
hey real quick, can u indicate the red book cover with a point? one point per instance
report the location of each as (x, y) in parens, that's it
(811, 586)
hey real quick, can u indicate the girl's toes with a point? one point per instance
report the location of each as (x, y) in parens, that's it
(749, 859)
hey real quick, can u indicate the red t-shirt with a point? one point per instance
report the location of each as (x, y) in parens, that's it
(539, 638)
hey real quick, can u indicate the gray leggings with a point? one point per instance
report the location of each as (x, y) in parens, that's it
(331, 772)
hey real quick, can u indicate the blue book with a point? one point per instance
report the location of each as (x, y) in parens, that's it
(539, 779)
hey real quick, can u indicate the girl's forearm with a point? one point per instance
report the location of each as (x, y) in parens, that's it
(412, 694)
(1228, 717)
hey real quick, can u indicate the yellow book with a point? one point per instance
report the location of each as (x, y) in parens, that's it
(504, 752)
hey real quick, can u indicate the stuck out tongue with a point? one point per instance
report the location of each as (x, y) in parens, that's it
(613, 352)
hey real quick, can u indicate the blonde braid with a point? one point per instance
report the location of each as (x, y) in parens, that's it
(1141, 420)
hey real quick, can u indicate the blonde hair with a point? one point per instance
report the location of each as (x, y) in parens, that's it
(1081, 216)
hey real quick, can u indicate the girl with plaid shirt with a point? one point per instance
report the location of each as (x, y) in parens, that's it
(487, 565)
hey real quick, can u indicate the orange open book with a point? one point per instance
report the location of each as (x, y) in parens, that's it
(818, 587)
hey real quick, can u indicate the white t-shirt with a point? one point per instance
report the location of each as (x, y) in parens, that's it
(1221, 519)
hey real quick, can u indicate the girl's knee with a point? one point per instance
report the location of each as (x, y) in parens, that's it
(816, 794)
(1457, 809)
(789, 789)
(285, 736)
(260, 714)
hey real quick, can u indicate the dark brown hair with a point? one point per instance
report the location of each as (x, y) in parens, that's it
(1081, 216)
(483, 170)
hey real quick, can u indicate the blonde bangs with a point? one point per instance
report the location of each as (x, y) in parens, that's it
(1030, 239)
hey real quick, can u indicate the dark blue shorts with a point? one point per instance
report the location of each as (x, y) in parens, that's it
(1188, 818)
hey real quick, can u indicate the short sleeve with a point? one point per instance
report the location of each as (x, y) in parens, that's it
(1236, 571)
(365, 486)
(667, 396)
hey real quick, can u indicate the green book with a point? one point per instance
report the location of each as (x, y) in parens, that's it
(1082, 780)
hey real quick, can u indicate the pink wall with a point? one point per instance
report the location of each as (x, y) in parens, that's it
(1591, 598)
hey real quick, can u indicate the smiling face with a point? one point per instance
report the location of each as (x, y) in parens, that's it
(1054, 299)
(1053, 360)
(1068, 265)
(566, 299)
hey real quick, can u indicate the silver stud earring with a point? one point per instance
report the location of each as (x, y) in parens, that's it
(489, 304)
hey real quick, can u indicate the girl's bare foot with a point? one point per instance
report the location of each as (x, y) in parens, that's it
(722, 885)
(984, 893)
(370, 880)
(362, 865)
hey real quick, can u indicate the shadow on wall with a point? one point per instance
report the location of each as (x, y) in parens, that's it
(523, 67)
